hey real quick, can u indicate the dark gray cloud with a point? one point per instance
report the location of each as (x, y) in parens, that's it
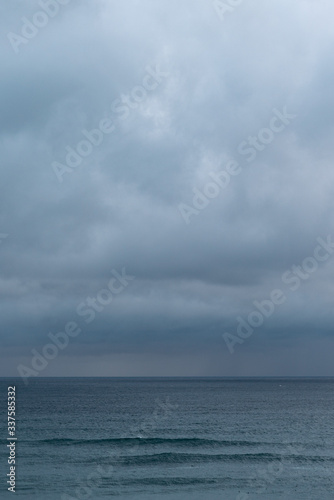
(222, 81)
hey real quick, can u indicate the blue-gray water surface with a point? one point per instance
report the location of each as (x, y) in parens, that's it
(175, 438)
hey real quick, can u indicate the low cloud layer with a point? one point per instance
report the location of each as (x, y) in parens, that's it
(192, 147)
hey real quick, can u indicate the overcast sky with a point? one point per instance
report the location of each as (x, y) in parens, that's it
(181, 88)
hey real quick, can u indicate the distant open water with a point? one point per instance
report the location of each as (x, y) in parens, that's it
(172, 439)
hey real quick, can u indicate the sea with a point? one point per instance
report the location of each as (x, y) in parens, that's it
(170, 438)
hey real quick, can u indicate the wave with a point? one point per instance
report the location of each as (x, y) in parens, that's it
(128, 441)
(182, 458)
(127, 450)
(179, 481)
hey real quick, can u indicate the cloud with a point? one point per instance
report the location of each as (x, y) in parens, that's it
(119, 207)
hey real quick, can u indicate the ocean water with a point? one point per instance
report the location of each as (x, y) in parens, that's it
(171, 438)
